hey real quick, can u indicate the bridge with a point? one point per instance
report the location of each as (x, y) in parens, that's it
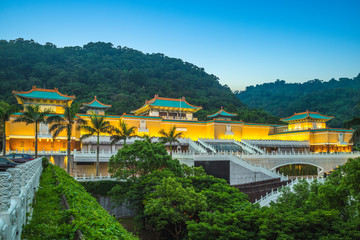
(274, 195)
(17, 190)
(325, 162)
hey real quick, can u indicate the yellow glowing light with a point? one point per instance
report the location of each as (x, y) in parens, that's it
(65, 161)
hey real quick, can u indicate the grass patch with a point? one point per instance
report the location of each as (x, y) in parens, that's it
(49, 220)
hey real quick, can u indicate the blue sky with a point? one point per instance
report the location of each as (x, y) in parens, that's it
(242, 42)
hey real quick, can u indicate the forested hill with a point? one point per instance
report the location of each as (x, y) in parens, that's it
(119, 76)
(339, 98)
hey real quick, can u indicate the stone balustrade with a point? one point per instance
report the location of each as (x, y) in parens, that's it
(274, 195)
(40, 152)
(92, 178)
(17, 190)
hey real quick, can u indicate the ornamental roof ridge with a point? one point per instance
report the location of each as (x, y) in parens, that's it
(182, 99)
(96, 100)
(308, 114)
(220, 111)
(34, 88)
(157, 101)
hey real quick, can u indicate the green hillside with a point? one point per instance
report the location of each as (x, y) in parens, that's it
(119, 76)
(339, 98)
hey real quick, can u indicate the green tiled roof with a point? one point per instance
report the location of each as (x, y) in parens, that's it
(139, 116)
(172, 103)
(107, 116)
(222, 113)
(299, 116)
(166, 102)
(39, 93)
(96, 104)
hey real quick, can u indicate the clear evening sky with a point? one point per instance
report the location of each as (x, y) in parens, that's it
(242, 42)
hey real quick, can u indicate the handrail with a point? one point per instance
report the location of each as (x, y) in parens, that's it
(92, 178)
(17, 190)
(207, 145)
(274, 195)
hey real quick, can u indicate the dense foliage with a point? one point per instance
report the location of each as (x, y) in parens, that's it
(119, 76)
(337, 98)
(327, 210)
(50, 221)
(139, 159)
(168, 195)
(93, 220)
(318, 210)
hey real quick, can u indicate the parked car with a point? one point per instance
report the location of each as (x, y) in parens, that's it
(6, 163)
(20, 157)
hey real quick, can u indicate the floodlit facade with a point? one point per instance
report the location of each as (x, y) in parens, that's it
(164, 113)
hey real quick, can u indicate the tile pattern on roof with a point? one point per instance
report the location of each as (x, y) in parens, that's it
(307, 114)
(41, 93)
(96, 104)
(222, 113)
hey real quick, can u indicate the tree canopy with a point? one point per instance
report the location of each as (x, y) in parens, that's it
(339, 98)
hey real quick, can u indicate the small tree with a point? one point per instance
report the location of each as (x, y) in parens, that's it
(171, 206)
(170, 136)
(122, 133)
(34, 115)
(6, 110)
(66, 123)
(96, 127)
(141, 158)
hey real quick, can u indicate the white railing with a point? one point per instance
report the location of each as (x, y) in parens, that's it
(244, 147)
(288, 154)
(40, 152)
(92, 178)
(206, 145)
(17, 190)
(274, 195)
(279, 143)
(196, 146)
(253, 146)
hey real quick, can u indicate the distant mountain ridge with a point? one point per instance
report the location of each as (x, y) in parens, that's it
(339, 98)
(120, 76)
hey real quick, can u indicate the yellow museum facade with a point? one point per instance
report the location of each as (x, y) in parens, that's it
(164, 113)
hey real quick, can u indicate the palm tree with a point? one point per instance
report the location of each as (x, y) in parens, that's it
(6, 110)
(146, 138)
(34, 115)
(97, 125)
(66, 122)
(122, 133)
(170, 136)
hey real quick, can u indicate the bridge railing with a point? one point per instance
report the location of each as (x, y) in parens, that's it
(41, 152)
(17, 190)
(92, 178)
(274, 195)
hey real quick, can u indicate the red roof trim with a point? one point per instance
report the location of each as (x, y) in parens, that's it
(95, 99)
(34, 88)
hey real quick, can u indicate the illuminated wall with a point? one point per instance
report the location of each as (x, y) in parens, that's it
(256, 131)
(306, 125)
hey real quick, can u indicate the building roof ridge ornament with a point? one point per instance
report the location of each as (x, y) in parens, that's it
(95, 103)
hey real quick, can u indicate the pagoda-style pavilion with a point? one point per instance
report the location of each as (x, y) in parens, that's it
(50, 99)
(168, 108)
(96, 106)
(222, 115)
(306, 120)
